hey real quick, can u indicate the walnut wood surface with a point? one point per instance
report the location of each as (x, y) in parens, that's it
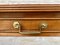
(30, 16)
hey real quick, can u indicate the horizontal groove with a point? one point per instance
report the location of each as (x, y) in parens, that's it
(50, 31)
(29, 8)
(33, 31)
(28, 5)
(30, 18)
(7, 10)
(7, 31)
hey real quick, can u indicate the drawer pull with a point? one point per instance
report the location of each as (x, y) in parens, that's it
(29, 32)
(16, 25)
(43, 26)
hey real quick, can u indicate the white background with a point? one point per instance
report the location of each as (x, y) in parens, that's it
(29, 1)
(29, 40)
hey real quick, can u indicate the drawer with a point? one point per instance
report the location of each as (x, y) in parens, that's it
(30, 26)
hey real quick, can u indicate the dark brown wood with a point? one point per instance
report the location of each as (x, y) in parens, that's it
(30, 16)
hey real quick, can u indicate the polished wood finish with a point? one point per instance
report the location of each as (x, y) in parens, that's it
(30, 16)
(30, 8)
(42, 11)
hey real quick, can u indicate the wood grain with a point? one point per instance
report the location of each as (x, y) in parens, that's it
(30, 8)
(30, 16)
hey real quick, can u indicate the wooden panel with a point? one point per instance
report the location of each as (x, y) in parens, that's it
(30, 15)
(53, 25)
(7, 26)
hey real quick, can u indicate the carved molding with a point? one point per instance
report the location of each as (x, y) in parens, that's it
(29, 7)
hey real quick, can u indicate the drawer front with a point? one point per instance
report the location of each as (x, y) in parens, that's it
(30, 26)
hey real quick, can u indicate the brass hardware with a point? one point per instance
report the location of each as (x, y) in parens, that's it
(43, 25)
(29, 32)
(16, 25)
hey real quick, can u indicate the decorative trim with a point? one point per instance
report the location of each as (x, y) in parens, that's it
(30, 7)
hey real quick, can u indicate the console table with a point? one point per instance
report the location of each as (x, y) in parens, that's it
(30, 20)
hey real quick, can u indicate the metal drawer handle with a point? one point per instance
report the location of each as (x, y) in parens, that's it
(43, 26)
(17, 25)
(29, 32)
